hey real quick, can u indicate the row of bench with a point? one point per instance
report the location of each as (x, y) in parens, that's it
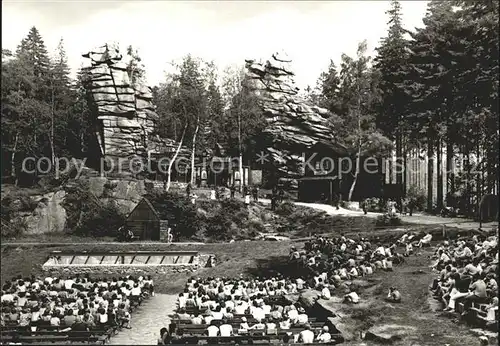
(58, 334)
(245, 339)
(478, 315)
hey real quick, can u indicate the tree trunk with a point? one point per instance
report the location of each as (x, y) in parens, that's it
(52, 152)
(467, 181)
(193, 151)
(174, 158)
(450, 173)
(399, 160)
(13, 159)
(439, 193)
(430, 175)
(240, 162)
(356, 173)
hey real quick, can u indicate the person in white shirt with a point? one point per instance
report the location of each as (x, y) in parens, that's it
(285, 324)
(226, 329)
(324, 335)
(306, 336)
(68, 283)
(425, 240)
(302, 317)
(212, 330)
(293, 314)
(258, 313)
(271, 327)
(325, 293)
(244, 327)
(208, 319)
(197, 320)
(300, 283)
(351, 298)
(181, 301)
(240, 309)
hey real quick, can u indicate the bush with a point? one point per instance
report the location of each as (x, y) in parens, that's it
(179, 210)
(285, 208)
(13, 228)
(227, 221)
(89, 216)
(388, 220)
(373, 204)
(416, 198)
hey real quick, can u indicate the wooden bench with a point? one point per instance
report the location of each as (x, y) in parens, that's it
(94, 336)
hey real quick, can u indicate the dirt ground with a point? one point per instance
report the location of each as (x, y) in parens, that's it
(426, 327)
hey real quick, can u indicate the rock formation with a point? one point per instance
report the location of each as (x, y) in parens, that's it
(293, 125)
(123, 111)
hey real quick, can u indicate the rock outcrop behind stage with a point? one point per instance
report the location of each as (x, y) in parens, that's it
(292, 124)
(123, 111)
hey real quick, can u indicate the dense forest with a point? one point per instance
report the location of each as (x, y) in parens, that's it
(432, 90)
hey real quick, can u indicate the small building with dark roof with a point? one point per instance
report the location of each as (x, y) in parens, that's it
(144, 221)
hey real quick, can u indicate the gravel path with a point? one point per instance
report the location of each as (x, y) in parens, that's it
(147, 321)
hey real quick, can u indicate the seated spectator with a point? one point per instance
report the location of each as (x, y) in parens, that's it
(307, 335)
(351, 297)
(271, 327)
(477, 291)
(212, 329)
(55, 321)
(393, 296)
(426, 240)
(197, 319)
(69, 318)
(302, 317)
(226, 329)
(123, 317)
(324, 335)
(244, 327)
(164, 337)
(285, 324)
(325, 293)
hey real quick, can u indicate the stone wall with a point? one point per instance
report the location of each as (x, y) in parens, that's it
(119, 270)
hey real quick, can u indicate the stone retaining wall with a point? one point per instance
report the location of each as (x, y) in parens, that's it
(118, 270)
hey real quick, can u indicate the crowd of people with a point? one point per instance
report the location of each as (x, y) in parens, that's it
(329, 262)
(467, 270)
(218, 303)
(78, 303)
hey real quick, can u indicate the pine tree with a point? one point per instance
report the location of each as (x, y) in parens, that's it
(33, 53)
(390, 61)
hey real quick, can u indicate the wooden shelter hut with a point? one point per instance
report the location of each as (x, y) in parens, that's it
(144, 221)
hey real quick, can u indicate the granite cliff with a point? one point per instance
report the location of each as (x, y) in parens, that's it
(293, 125)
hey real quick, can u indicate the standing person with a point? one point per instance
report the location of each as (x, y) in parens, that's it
(273, 201)
(254, 193)
(364, 206)
(188, 189)
(169, 235)
(245, 191)
(233, 190)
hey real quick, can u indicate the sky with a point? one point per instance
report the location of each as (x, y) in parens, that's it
(227, 32)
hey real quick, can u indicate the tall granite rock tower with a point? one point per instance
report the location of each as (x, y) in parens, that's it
(292, 125)
(123, 112)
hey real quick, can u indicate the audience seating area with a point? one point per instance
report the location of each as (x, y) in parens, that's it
(76, 310)
(466, 281)
(221, 311)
